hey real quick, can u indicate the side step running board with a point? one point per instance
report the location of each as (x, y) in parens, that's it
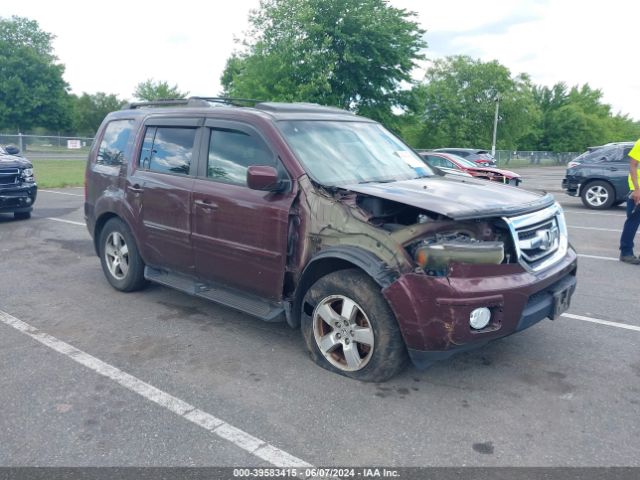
(250, 304)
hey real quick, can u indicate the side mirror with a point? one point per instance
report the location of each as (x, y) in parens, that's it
(263, 177)
(12, 150)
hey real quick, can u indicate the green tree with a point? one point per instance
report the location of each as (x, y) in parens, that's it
(90, 110)
(32, 90)
(574, 119)
(151, 90)
(353, 54)
(455, 106)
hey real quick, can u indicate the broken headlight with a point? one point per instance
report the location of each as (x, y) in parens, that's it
(27, 175)
(435, 254)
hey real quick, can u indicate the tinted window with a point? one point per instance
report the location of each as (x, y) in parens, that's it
(232, 152)
(168, 149)
(114, 143)
(446, 163)
(434, 161)
(461, 153)
(605, 154)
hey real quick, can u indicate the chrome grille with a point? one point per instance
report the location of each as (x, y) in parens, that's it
(9, 176)
(538, 241)
(540, 238)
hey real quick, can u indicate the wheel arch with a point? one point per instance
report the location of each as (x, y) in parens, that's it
(102, 220)
(590, 180)
(334, 259)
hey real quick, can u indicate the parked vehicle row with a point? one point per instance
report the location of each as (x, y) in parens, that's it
(481, 158)
(323, 219)
(449, 162)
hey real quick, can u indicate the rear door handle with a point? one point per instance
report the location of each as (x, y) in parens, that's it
(207, 205)
(136, 188)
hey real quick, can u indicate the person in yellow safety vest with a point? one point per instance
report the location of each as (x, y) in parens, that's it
(633, 209)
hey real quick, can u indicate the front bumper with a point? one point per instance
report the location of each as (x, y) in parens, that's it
(18, 198)
(571, 186)
(433, 312)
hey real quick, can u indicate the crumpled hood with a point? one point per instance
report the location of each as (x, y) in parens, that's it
(498, 171)
(14, 161)
(458, 198)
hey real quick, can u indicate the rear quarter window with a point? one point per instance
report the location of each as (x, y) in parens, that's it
(114, 143)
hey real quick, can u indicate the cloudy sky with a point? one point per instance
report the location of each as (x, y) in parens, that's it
(111, 46)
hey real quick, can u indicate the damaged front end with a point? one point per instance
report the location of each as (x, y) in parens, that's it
(506, 265)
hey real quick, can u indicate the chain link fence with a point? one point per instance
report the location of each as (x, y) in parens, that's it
(48, 146)
(536, 158)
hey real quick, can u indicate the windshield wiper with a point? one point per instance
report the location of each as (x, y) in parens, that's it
(391, 180)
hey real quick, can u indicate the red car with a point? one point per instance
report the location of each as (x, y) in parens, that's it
(455, 162)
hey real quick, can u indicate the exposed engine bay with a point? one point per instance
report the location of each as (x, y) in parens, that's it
(443, 241)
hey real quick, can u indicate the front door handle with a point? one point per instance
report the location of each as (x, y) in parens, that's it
(135, 188)
(205, 204)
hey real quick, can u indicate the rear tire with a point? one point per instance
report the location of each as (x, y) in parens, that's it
(349, 328)
(598, 195)
(121, 262)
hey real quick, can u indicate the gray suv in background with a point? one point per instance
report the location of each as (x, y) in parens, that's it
(600, 175)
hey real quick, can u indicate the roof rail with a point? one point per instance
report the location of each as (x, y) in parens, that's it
(192, 102)
(236, 102)
(299, 107)
(160, 103)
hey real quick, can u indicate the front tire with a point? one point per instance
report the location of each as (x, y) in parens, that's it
(349, 328)
(22, 215)
(121, 262)
(598, 195)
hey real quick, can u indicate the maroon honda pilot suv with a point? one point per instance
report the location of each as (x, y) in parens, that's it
(322, 219)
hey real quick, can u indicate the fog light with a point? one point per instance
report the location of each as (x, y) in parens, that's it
(479, 318)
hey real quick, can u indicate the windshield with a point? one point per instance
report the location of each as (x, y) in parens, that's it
(463, 161)
(338, 153)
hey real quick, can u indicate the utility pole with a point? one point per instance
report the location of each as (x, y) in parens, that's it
(495, 126)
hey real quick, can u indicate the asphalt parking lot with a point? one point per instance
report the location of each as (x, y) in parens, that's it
(159, 378)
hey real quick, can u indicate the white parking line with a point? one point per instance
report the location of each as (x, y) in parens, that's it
(617, 230)
(222, 429)
(61, 193)
(608, 214)
(597, 257)
(82, 224)
(602, 322)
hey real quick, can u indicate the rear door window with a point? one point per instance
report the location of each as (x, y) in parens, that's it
(168, 150)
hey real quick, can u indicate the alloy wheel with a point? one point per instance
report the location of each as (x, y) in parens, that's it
(597, 195)
(116, 254)
(343, 333)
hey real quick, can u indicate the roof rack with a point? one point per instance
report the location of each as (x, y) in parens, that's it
(192, 102)
(236, 102)
(299, 107)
